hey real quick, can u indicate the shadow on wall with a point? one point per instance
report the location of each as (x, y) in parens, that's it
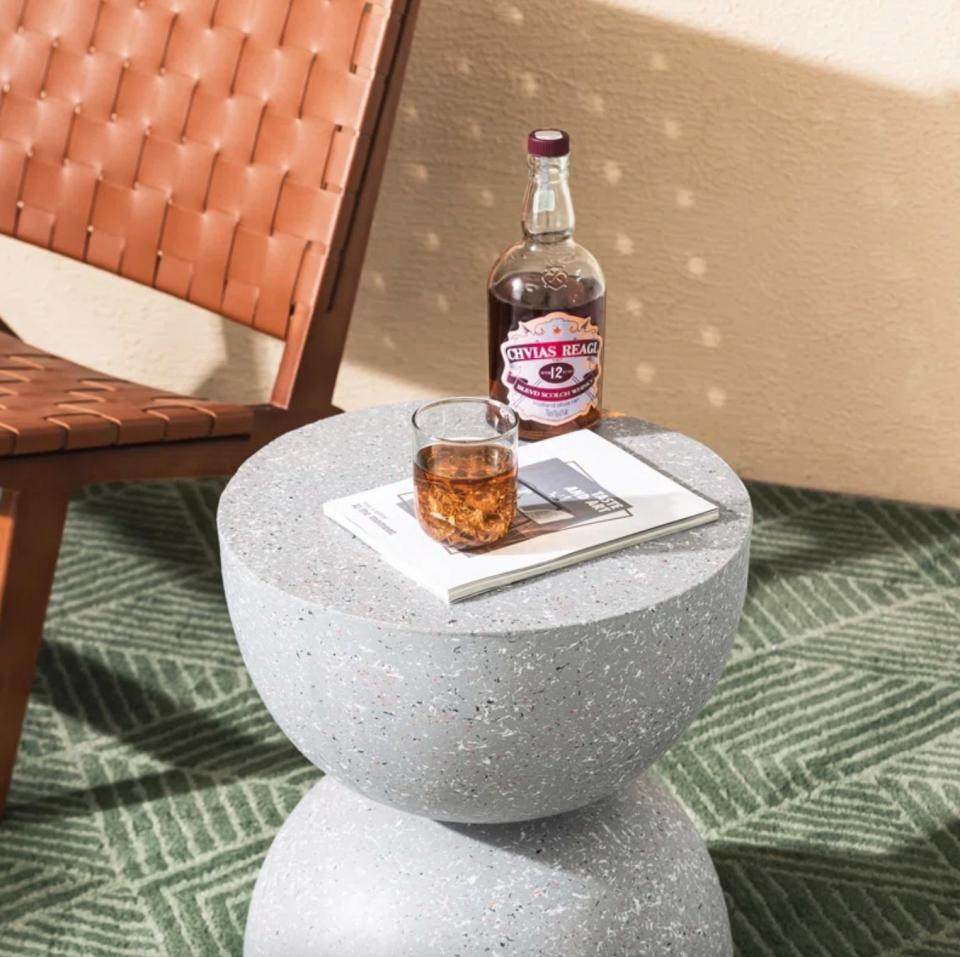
(778, 238)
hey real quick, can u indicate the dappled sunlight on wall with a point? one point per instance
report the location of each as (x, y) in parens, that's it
(778, 236)
(773, 191)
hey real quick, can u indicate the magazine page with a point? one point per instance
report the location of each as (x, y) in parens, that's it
(577, 495)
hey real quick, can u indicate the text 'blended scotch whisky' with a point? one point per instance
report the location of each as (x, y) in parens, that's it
(546, 298)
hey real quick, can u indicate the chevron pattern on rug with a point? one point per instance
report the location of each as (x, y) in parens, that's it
(825, 772)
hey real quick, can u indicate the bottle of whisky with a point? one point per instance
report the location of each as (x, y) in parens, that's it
(546, 298)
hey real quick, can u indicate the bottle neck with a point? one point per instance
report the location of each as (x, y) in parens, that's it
(547, 207)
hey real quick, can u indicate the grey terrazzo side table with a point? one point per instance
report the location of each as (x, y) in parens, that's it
(533, 700)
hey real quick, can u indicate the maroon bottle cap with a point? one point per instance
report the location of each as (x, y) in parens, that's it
(548, 143)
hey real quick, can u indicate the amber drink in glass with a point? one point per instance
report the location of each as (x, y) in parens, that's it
(465, 470)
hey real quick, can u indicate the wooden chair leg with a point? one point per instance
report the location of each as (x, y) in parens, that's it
(31, 526)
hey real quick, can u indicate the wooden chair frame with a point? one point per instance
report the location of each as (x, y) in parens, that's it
(37, 488)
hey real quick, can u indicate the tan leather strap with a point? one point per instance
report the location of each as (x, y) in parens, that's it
(48, 404)
(203, 147)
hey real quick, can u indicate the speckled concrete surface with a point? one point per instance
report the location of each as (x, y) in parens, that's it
(347, 877)
(531, 700)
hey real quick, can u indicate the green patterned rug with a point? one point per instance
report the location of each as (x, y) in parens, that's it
(825, 772)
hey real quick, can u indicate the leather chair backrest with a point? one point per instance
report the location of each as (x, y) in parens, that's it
(207, 148)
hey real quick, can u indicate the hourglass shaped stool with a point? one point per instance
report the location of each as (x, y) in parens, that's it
(521, 719)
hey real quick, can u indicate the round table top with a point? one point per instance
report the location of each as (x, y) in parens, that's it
(271, 521)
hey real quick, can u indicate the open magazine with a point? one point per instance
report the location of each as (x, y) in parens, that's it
(578, 496)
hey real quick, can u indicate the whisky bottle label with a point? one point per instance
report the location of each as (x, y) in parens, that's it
(551, 367)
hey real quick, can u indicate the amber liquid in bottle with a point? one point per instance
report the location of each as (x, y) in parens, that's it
(546, 300)
(511, 303)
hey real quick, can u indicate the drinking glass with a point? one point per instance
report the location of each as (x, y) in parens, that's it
(465, 470)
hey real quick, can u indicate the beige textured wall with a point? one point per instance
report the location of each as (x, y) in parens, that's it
(773, 189)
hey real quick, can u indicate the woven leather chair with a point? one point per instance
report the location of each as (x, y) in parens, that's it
(227, 152)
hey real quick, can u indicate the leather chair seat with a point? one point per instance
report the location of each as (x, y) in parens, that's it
(48, 404)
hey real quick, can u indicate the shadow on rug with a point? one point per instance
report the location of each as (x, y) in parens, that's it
(825, 772)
